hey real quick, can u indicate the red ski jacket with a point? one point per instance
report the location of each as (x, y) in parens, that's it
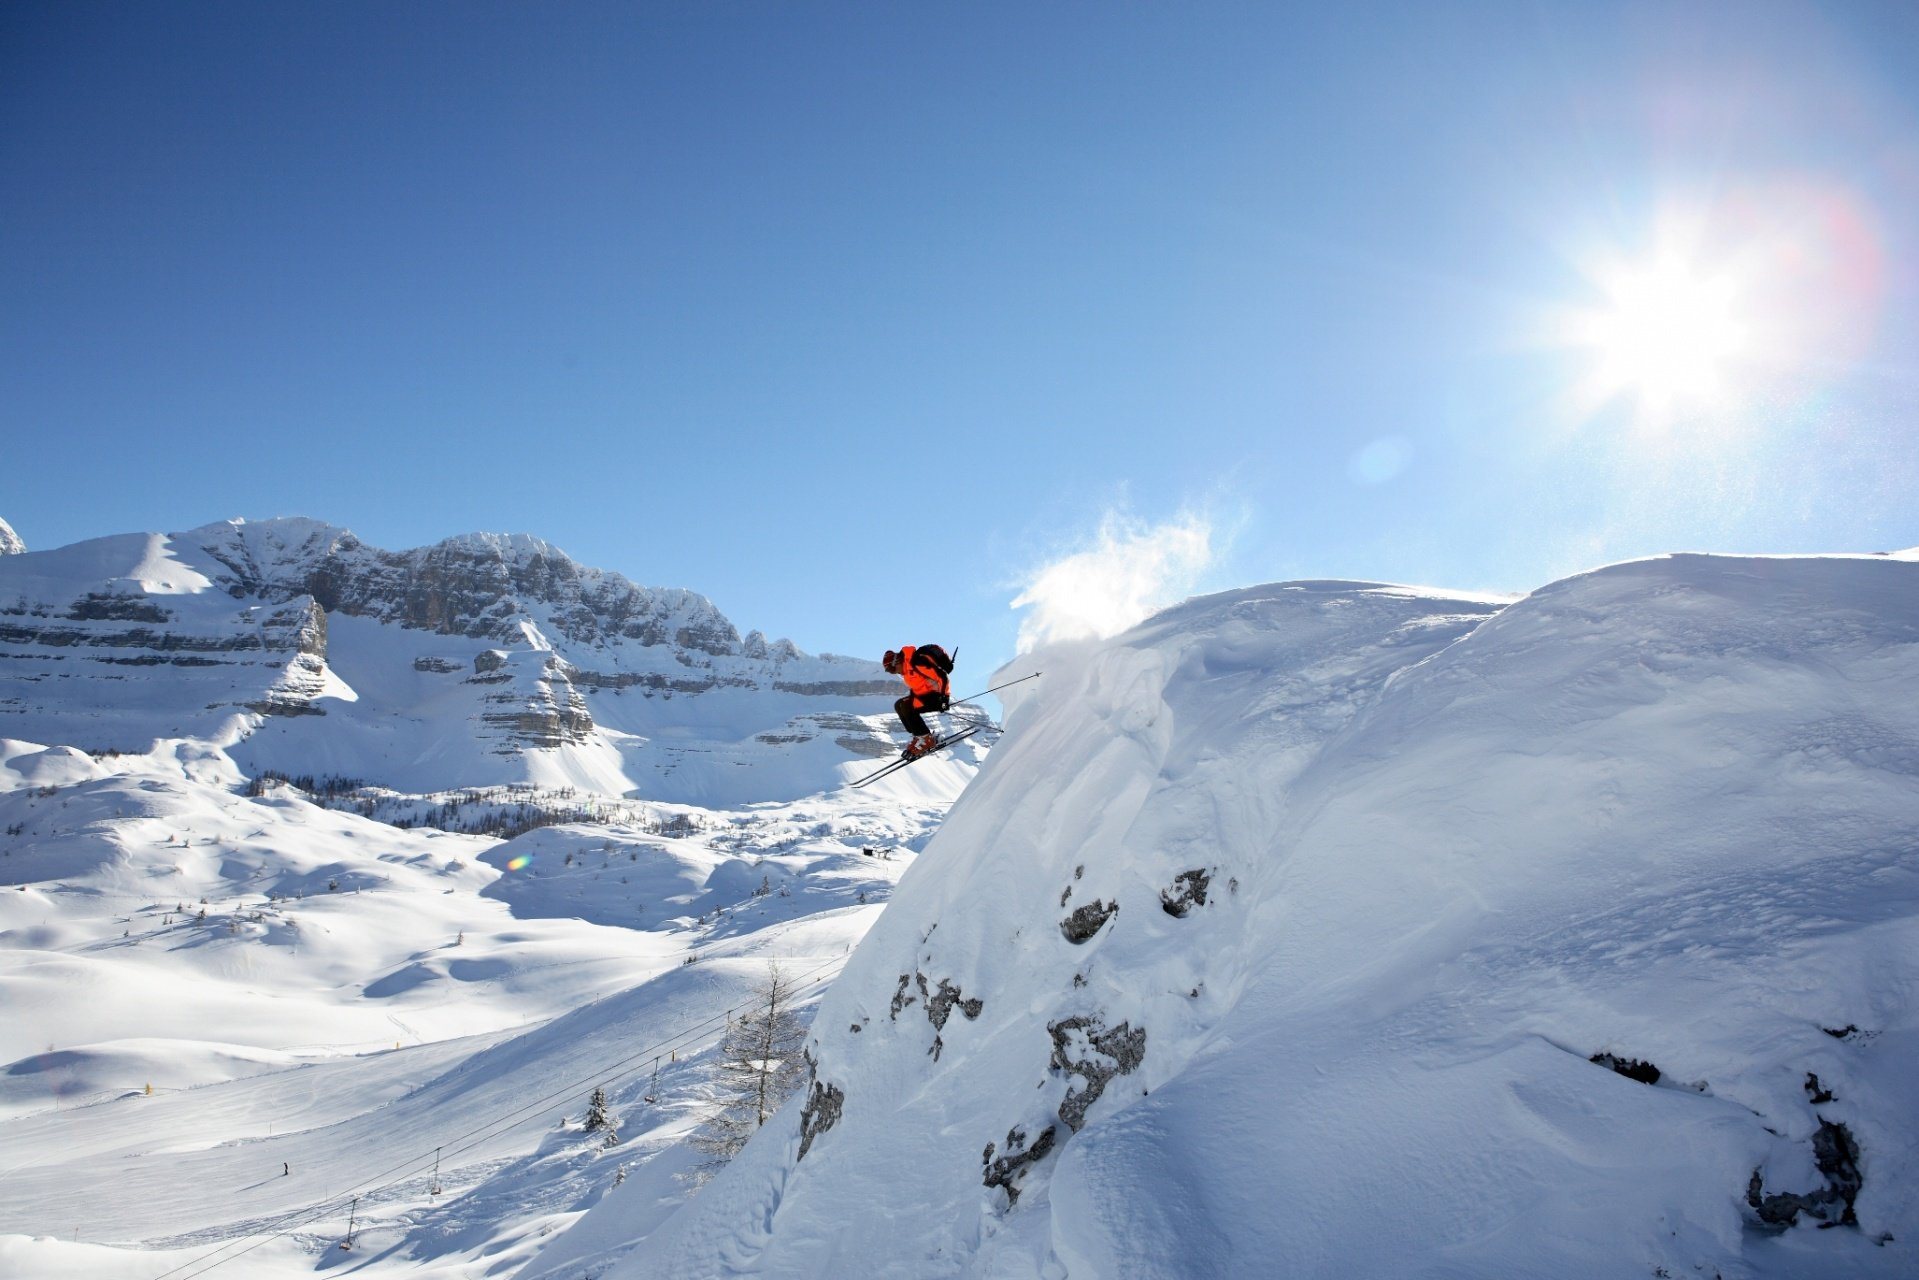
(921, 676)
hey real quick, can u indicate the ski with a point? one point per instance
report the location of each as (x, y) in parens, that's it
(902, 762)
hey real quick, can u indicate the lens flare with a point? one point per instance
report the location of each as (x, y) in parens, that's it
(1757, 296)
(519, 862)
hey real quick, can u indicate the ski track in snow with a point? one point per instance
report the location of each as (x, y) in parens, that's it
(268, 1031)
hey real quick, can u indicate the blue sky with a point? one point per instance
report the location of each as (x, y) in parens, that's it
(858, 317)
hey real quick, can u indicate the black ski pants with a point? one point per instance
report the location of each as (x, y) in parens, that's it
(912, 704)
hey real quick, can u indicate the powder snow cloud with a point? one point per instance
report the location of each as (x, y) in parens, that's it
(1130, 570)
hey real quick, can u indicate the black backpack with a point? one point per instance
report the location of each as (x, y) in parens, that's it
(937, 656)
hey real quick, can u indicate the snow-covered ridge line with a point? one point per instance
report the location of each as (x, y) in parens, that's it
(454, 586)
(483, 659)
(1326, 928)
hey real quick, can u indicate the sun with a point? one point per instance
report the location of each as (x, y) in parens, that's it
(1668, 332)
(1723, 312)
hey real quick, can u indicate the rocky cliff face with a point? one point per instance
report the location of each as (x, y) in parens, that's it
(479, 585)
(480, 647)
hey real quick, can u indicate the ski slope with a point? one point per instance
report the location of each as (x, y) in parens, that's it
(228, 1014)
(1280, 934)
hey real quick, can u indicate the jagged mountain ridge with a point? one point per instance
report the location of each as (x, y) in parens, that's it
(483, 658)
(476, 585)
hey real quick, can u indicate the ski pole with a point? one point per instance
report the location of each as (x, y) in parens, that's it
(996, 688)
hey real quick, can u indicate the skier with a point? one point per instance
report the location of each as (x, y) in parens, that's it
(924, 669)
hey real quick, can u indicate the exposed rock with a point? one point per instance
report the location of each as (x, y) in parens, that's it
(868, 746)
(756, 645)
(1084, 1047)
(1816, 1091)
(98, 607)
(1006, 1171)
(436, 666)
(1086, 921)
(10, 543)
(940, 1005)
(900, 998)
(1836, 1153)
(543, 711)
(1187, 891)
(821, 1112)
(839, 688)
(300, 626)
(1631, 1068)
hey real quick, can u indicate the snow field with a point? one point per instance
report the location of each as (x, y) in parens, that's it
(360, 995)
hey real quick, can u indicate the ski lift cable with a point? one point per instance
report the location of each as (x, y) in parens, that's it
(395, 1174)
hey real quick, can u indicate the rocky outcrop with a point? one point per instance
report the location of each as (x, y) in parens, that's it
(1087, 920)
(821, 1112)
(478, 585)
(1187, 891)
(1005, 1171)
(1835, 1153)
(1083, 1046)
(532, 708)
(10, 543)
(302, 627)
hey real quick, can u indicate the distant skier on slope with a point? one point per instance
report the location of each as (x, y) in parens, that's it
(924, 669)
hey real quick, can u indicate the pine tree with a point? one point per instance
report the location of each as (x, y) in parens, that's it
(760, 1066)
(599, 1117)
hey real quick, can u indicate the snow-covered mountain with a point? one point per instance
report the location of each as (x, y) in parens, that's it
(10, 543)
(1337, 929)
(246, 1023)
(1321, 928)
(483, 659)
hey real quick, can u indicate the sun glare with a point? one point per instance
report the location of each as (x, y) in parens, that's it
(1669, 334)
(1723, 305)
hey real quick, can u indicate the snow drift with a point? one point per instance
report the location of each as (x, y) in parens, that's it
(1331, 928)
